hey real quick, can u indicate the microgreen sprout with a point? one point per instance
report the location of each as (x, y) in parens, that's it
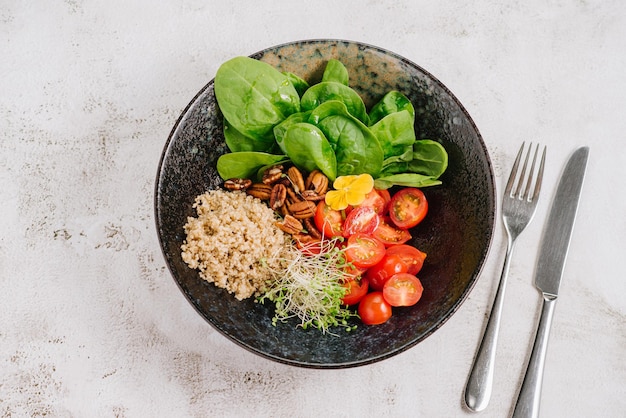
(308, 286)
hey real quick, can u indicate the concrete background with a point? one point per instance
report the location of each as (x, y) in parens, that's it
(91, 322)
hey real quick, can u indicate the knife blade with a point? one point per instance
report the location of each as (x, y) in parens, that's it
(549, 272)
(560, 223)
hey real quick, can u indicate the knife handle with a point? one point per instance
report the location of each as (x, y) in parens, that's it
(530, 393)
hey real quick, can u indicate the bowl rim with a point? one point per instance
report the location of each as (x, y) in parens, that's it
(489, 234)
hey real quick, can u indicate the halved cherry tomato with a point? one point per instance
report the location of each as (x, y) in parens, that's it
(403, 289)
(355, 290)
(413, 257)
(390, 234)
(364, 250)
(384, 193)
(408, 207)
(383, 270)
(374, 309)
(375, 200)
(363, 219)
(328, 220)
(351, 271)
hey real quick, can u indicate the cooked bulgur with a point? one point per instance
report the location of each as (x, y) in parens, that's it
(228, 240)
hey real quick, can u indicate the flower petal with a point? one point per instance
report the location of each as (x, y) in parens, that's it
(354, 197)
(336, 199)
(343, 182)
(364, 183)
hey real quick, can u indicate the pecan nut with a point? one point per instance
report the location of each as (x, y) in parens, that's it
(297, 181)
(237, 184)
(278, 196)
(290, 225)
(309, 225)
(304, 240)
(312, 196)
(260, 191)
(293, 196)
(272, 174)
(284, 210)
(303, 209)
(317, 181)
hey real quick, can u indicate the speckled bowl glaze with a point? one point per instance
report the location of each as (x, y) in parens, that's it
(456, 233)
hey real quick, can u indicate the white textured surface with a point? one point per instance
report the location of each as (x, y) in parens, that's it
(91, 323)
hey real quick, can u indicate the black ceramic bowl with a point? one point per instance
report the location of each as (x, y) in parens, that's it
(456, 233)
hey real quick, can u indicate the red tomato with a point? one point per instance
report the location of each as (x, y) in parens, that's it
(353, 272)
(387, 267)
(364, 250)
(363, 219)
(375, 200)
(403, 289)
(328, 221)
(390, 234)
(355, 290)
(413, 257)
(386, 197)
(408, 207)
(374, 309)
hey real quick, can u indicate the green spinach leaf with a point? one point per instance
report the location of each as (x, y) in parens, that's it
(406, 180)
(330, 90)
(281, 128)
(429, 158)
(308, 149)
(395, 132)
(236, 141)
(254, 97)
(357, 150)
(245, 164)
(405, 157)
(392, 102)
(335, 71)
(299, 84)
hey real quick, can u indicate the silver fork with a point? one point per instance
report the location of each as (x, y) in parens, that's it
(518, 207)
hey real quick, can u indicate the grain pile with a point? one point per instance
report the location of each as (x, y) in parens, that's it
(231, 239)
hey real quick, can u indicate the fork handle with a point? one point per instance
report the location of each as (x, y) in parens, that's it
(480, 380)
(527, 404)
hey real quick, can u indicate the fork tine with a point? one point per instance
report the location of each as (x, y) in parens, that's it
(539, 175)
(511, 181)
(520, 182)
(526, 195)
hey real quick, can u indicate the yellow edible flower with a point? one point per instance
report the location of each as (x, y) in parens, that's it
(349, 190)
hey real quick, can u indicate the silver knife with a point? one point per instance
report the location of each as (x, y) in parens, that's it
(548, 273)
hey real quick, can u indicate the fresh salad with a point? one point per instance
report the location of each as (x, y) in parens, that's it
(345, 182)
